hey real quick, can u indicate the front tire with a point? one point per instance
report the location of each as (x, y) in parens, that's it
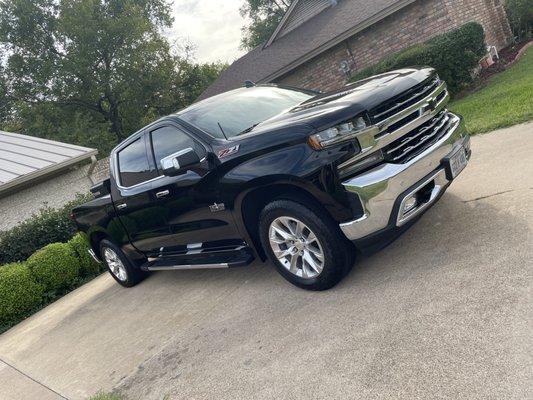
(119, 266)
(305, 245)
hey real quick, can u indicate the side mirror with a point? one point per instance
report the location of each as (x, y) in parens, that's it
(177, 163)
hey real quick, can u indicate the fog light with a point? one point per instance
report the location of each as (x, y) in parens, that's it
(409, 204)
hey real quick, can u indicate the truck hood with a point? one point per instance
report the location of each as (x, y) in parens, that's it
(334, 107)
(321, 112)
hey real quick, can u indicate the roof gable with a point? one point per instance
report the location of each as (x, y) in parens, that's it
(299, 11)
(325, 30)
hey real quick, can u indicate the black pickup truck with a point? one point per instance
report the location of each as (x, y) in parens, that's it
(303, 178)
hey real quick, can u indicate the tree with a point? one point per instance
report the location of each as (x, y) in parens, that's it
(265, 16)
(100, 60)
(520, 13)
(5, 100)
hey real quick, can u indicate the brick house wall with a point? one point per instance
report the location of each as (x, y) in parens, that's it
(413, 24)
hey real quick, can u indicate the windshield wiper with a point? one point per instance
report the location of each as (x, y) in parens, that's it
(247, 130)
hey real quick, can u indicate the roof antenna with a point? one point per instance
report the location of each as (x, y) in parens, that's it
(222, 130)
(249, 84)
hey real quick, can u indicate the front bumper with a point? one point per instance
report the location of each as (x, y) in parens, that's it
(384, 190)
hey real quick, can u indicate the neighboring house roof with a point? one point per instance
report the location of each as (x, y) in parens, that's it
(298, 12)
(323, 31)
(26, 158)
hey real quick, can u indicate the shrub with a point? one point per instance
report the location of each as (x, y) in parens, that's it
(19, 293)
(454, 55)
(520, 14)
(56, 266)
(48, 226)
(80, 245)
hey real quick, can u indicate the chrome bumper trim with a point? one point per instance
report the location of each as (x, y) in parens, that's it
(379, 188)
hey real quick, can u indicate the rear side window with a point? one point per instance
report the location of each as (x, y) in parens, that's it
(133, 164)
(168, 140)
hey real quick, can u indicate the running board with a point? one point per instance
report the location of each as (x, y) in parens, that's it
(228, 258)
(190, 266)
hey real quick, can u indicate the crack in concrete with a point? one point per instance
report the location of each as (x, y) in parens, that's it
(493, 195)
(32, 379)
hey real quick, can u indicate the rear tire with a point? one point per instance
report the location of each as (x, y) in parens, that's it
(119, 266)
(305, 244)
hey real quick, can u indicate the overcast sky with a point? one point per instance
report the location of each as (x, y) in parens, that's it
(213, 26)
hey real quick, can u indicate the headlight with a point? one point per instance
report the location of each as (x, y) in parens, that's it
(340, 133)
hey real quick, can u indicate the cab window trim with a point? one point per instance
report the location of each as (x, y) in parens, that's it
(116, 162)
(178, 128)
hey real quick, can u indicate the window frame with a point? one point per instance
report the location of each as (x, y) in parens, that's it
(177, 127)
(118, 178)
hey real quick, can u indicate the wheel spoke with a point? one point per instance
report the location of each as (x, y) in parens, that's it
(311, 237)
(308, 258)
(294, 264)
(279, 229)
(306, 273)
(298, 228)
(282, 253)
(316, 252)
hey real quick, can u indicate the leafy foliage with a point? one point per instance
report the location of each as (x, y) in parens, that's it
(48, 226)
(19, 293)
(5, 101)
(265, 16)
(520, 13)
(102, 64)
(454, 55)
(88, 267)
(106, 396)
(56, 266)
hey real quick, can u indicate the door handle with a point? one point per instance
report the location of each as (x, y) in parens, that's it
(162, 194)
(121, 206)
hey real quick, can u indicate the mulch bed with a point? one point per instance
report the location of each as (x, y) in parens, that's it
(508, 56)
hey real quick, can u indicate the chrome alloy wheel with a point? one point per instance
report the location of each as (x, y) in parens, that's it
(296, 247)
(115, 264)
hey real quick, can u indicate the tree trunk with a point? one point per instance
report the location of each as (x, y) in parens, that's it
(116, 120)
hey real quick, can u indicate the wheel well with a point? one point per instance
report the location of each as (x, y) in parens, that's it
(254, 202)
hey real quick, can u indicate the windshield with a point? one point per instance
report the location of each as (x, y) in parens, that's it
(237, 112)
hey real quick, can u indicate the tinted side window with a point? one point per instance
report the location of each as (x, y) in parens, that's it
(133, 164)
(168, 140)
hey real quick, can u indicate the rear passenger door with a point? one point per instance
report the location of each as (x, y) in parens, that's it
(165, 215)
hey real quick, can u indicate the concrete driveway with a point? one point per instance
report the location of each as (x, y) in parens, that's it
(444, 312)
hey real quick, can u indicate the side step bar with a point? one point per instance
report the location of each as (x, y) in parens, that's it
(227, 258)
(189, 266)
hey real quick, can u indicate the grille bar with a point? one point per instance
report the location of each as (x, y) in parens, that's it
(416, 141)
(410, 97)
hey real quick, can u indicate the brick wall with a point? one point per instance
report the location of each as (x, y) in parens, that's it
(413, 24)
(490, 13)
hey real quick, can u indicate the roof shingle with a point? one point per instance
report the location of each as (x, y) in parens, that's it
(319, 33)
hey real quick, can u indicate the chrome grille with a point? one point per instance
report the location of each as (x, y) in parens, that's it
(404, 100)
(415, 142)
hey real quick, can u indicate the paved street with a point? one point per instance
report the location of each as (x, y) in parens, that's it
(445, 312)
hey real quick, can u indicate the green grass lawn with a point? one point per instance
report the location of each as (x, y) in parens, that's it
(507, 99)
(106, 396)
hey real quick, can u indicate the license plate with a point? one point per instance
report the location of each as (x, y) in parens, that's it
(456, 163)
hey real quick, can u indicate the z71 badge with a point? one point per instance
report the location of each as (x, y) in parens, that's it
(229, 151)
